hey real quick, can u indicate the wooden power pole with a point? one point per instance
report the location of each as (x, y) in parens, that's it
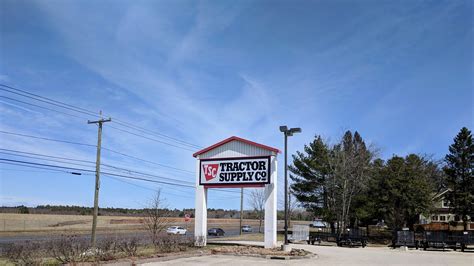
(241, 208)
(97, 177)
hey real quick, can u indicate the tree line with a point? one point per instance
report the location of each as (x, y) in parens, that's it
(347, 184)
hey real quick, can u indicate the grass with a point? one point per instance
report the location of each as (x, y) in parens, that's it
(244, 237)
(249, 237)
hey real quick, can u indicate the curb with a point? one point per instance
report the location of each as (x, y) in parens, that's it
(270, 257)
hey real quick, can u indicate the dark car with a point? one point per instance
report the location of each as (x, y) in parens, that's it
(215, 232)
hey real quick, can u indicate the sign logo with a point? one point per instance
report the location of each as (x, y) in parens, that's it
(235, 171)
(210, 171)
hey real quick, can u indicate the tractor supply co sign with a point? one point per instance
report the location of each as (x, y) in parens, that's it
(235, 171)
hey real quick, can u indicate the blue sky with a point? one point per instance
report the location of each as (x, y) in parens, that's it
(399, 72)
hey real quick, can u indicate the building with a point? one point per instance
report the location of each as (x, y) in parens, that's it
(442, 217)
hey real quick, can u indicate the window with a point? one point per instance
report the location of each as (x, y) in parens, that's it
(442, 218)
(434, 218)
(445, 203)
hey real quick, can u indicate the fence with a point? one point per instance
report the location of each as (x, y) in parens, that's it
(300, 233)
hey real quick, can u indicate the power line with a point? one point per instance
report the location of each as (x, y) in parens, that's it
(159, 141)
(71, 107)
(39, 167)
(48, 139)
(91, 171)
(77, 164)
(147, 188)
(50, 160)
(123, 123)
(120, 153)
(147, 161)
(44, 155)
(90, 145)
(119, 129)
(52, 103)
(42, 107)
(89, 112)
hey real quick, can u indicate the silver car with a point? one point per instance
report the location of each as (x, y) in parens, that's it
(246, 228)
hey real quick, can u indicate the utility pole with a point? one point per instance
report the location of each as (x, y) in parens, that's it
(241, 208)
(97, 176)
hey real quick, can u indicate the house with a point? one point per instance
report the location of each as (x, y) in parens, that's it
(442, 217)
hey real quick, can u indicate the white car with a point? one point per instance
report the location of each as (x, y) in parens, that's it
(176, 230)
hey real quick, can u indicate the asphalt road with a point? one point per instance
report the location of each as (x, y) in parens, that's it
(4, 240)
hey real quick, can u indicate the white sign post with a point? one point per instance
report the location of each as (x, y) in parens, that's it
(236, 163)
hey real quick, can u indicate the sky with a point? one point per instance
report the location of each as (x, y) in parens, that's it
(398, 72)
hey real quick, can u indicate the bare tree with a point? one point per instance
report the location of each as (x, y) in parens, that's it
(257, 202)
(155, 217)
(292, 203)
(349, 162)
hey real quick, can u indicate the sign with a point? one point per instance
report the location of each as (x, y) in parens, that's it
(187, 217)
(235, 171)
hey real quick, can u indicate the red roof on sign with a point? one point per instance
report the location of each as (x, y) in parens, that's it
(265, 147)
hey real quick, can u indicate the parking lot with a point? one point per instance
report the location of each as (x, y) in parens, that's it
(340, 256)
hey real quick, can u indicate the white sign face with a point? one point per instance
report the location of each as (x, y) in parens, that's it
(235, 171)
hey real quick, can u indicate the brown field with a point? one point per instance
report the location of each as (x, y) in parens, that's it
(12, 224)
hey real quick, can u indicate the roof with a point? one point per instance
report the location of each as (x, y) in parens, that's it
(265, 147)
(441, 193)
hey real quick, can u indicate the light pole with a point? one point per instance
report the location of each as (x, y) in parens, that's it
(287, 133)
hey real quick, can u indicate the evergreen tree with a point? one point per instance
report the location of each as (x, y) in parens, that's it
(401, 189)
(460, 176)
(327, 180)
(309, 173)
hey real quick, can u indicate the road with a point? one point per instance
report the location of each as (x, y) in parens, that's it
(340, 256)
(4, 240)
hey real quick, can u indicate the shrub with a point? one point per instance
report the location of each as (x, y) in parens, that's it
(26, 253)
(173, 243)
(107, 248)
(129, 246)
(69, 248)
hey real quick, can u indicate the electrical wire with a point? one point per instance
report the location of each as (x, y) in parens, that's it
(74, 108)
(44, 155)
(91, 171)
(148, 138)
(83, 165)
(49, 101)
(48, 139)
(90, 145)
(42, 107)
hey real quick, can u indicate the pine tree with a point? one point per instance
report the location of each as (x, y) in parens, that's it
(327, 180)
(460, 176)
(309, 173)
(400, 190)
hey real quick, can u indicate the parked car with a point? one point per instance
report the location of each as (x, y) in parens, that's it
(176, 230)
(247, 228)
(215, 232)
(318, 224)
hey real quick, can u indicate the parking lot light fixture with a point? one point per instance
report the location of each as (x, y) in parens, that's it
(287, 132)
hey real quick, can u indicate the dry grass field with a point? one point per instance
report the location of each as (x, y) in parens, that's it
(11, 224)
